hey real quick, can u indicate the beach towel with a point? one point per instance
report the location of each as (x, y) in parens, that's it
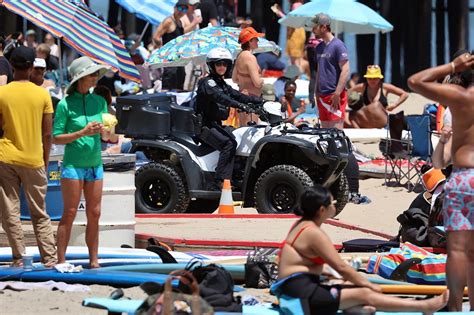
(431, 269)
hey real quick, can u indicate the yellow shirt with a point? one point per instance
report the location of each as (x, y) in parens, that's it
(22, 106)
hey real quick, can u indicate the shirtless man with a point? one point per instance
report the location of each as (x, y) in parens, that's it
(247, 73)
(458, 206)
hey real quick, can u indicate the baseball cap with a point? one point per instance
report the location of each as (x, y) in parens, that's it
(181, 3)
(193, 2)
(22, 57)
(30, 32)
(247, 34)
(268, 92)
(39, 63)
(321, 19)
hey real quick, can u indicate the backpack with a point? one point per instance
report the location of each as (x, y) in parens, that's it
(216, 286)
(261, 270)
(414, 227)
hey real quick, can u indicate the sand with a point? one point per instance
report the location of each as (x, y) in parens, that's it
(380, 215)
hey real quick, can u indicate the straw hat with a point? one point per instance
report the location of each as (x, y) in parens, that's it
(82, 67)
(373, 72)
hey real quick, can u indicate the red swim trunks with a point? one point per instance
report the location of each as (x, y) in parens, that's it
(327, 112)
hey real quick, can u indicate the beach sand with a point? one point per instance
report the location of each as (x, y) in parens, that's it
(380, 215)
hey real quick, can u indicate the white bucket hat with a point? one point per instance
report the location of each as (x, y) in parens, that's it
(82, 67)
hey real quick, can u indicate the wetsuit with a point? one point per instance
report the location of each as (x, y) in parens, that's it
(214, 100)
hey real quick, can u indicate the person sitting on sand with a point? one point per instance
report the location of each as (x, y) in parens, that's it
(371, 110)
(302, 257)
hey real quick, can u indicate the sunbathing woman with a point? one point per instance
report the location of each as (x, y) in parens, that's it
(371, 111)
(307, 248)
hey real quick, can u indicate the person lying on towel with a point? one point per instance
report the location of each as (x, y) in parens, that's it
(307, 248)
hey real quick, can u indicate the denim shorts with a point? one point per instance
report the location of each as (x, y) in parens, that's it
(88, 174)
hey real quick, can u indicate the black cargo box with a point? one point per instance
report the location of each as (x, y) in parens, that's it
(144, 116)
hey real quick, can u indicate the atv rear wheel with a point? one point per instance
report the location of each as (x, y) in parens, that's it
(277, 190)
(340, 192)
(160, 189)
(203, 206)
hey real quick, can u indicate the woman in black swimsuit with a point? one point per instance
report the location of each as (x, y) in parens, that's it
(371, 110)
(169, 29)
(307, 248)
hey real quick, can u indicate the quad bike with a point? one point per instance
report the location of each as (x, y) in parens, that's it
(274, 163)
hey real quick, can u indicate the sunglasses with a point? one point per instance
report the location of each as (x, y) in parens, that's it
(221, 64)
(182, 8)
(373, 67)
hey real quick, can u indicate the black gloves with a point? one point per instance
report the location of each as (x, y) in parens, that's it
(245, 108)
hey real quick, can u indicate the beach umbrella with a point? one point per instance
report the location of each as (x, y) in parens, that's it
(194, 46)
(152, 11)
(80, 29)
(347, 16)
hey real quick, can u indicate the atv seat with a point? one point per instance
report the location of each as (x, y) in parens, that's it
(195, 144)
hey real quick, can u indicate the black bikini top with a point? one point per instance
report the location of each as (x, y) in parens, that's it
(382, 98)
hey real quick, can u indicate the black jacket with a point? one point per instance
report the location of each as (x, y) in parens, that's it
(215, 98)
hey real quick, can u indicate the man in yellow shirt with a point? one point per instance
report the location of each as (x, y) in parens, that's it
(26, 118)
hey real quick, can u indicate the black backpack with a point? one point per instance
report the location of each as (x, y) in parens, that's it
(414, 227)
(216, 286)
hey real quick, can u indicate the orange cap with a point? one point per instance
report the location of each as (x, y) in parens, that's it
(247, 34)
(432, 178)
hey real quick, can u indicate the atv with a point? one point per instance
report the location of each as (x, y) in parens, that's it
(274, 163)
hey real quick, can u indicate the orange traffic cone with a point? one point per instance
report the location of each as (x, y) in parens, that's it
(226, 205)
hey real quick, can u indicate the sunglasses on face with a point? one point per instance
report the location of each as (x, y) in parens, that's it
(373, 67)
(221, 64)
(183, 8)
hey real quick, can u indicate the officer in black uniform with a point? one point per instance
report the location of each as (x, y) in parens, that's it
(214, 100)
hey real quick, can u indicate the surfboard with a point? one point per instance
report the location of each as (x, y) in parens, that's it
(127, 254)
(87, 276)
(237, 271)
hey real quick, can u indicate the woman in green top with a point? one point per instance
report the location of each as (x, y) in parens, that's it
(78, 125)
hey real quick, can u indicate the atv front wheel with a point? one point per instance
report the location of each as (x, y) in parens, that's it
(340, 192)
(277, 190)
(160, 189)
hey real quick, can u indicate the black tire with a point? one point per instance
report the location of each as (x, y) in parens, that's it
(277, 190)
(203, 206)
(160, 189)
(340, 192)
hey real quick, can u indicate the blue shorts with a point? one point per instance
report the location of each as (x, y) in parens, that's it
(88, 174)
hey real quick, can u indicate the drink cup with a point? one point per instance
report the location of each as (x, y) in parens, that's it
(27, 260)
(197, 13)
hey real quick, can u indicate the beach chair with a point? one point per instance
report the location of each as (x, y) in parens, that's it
(421, 147)
(394, 149)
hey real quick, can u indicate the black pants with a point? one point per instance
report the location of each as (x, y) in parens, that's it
(221, 139)
(352, 173)
(173, 78)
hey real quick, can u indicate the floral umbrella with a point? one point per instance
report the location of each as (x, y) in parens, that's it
(194, 46)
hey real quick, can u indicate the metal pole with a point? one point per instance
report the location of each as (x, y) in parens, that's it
(143, 32)
(61, 79)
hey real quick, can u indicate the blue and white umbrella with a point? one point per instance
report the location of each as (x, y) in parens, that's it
(194, 46)
(347, 16)
(152, 11)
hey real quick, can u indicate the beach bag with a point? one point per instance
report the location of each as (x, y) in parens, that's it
(169, 302)
(216, 286)
(430, 269)
(261, 269)
(367, 245)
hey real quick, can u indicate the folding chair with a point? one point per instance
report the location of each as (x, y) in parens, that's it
(394, 149)
(421, 147)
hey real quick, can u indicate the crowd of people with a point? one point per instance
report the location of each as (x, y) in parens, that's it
(27, 73)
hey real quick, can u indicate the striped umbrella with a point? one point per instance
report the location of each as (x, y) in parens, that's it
(80, 29)
(152, 11)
